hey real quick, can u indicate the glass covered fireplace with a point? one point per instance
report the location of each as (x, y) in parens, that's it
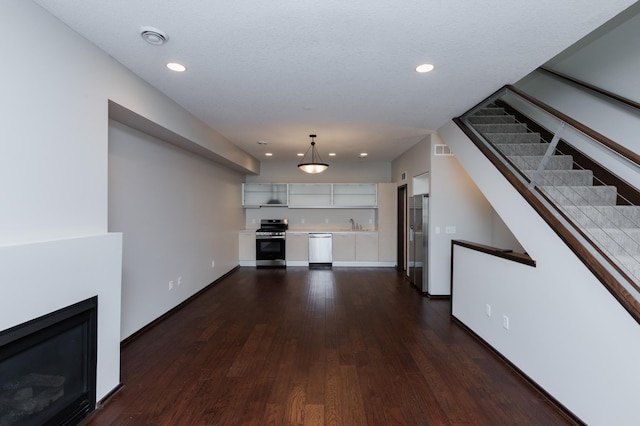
(48, 367)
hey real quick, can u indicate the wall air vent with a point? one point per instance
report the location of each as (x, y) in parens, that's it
(442, 150)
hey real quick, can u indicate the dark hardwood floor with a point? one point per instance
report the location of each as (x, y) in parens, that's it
(312, 347)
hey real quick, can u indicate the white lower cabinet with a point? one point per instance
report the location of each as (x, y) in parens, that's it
(247, 245)
(367, 247)
(344, 247)
(297, 247)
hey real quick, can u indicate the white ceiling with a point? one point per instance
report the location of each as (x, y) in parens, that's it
(277, 71)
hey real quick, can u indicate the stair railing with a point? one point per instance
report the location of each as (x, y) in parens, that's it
(604, 234)
(535, 179)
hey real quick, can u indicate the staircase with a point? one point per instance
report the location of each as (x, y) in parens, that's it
(589, 204)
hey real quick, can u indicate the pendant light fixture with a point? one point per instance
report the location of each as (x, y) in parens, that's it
(313, 163)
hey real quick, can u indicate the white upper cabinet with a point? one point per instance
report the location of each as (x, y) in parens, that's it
(355, 195)
(311, 195)
(264, 194)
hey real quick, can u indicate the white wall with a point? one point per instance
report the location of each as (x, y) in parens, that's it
(54, 106)
(456, 202)
(53, 170)
(502, 237)
(415, 161)
(178, 212)
(53, 167)
(567, 333)
(607, 58)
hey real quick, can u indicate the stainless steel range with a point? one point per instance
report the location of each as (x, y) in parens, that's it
(271, 243)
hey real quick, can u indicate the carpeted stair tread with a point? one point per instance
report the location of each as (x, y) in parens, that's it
(492, 119)
(490, 111)
(502, 128)
(531, 162)
(604, 216)
(513, 138)
(522, 148)
(618, 242)
(562, 177)
(582, 195)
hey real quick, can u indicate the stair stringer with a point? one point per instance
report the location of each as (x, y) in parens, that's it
(567, 332)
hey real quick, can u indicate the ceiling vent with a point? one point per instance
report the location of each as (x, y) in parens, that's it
(153, 36)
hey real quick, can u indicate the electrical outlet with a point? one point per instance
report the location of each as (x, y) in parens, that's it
(213, 264)
(437, 229)
(450, 230)
(505, 322)
(170, 285)
(179, 281)
(488, 310)
(302, 220)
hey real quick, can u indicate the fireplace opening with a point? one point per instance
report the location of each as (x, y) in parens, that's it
(48, 367)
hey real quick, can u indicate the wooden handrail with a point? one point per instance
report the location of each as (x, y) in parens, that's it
(598, 137)
(498, 252)
(595, 89)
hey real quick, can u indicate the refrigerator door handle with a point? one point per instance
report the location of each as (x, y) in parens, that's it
(411, 232)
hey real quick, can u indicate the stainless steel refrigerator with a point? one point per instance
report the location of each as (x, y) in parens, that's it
(419, 241)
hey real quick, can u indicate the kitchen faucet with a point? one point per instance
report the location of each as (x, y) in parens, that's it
(353, 224)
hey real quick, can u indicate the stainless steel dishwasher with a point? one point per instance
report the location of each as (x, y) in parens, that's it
(320, 249)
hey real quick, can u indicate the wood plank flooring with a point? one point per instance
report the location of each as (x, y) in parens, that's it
(317, 347)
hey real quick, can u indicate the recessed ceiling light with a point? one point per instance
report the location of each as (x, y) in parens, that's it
(261, 142)
(300, 154)
(363, 154)
(332, 154)
(174, 66)
(424, 68)
(268, 154)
